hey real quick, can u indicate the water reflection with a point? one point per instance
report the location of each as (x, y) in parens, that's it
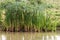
(29, 36)
(42, 37)
(3, 37)
(47, 37)
(52, 37)
(23, 38)
(58, 37)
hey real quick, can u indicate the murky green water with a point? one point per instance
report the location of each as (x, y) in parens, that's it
(29, 36)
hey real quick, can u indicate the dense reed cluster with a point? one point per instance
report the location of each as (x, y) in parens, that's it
(26, 16)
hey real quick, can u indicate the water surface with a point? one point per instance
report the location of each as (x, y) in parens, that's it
(29, 36)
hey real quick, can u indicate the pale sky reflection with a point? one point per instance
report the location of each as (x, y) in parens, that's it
(3, 37)
(47, 37)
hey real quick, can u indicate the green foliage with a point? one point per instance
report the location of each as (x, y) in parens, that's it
(28, 13)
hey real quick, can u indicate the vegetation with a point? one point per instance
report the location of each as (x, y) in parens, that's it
(28, 15)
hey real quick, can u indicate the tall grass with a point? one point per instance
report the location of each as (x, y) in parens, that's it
(26, 16)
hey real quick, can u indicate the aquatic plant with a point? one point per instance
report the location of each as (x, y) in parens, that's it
(29, 15)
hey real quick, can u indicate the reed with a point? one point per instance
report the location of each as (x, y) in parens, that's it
(27, 16)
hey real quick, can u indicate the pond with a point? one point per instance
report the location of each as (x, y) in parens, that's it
(29, 36)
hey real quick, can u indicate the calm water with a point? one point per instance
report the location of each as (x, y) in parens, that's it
(29, 36)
